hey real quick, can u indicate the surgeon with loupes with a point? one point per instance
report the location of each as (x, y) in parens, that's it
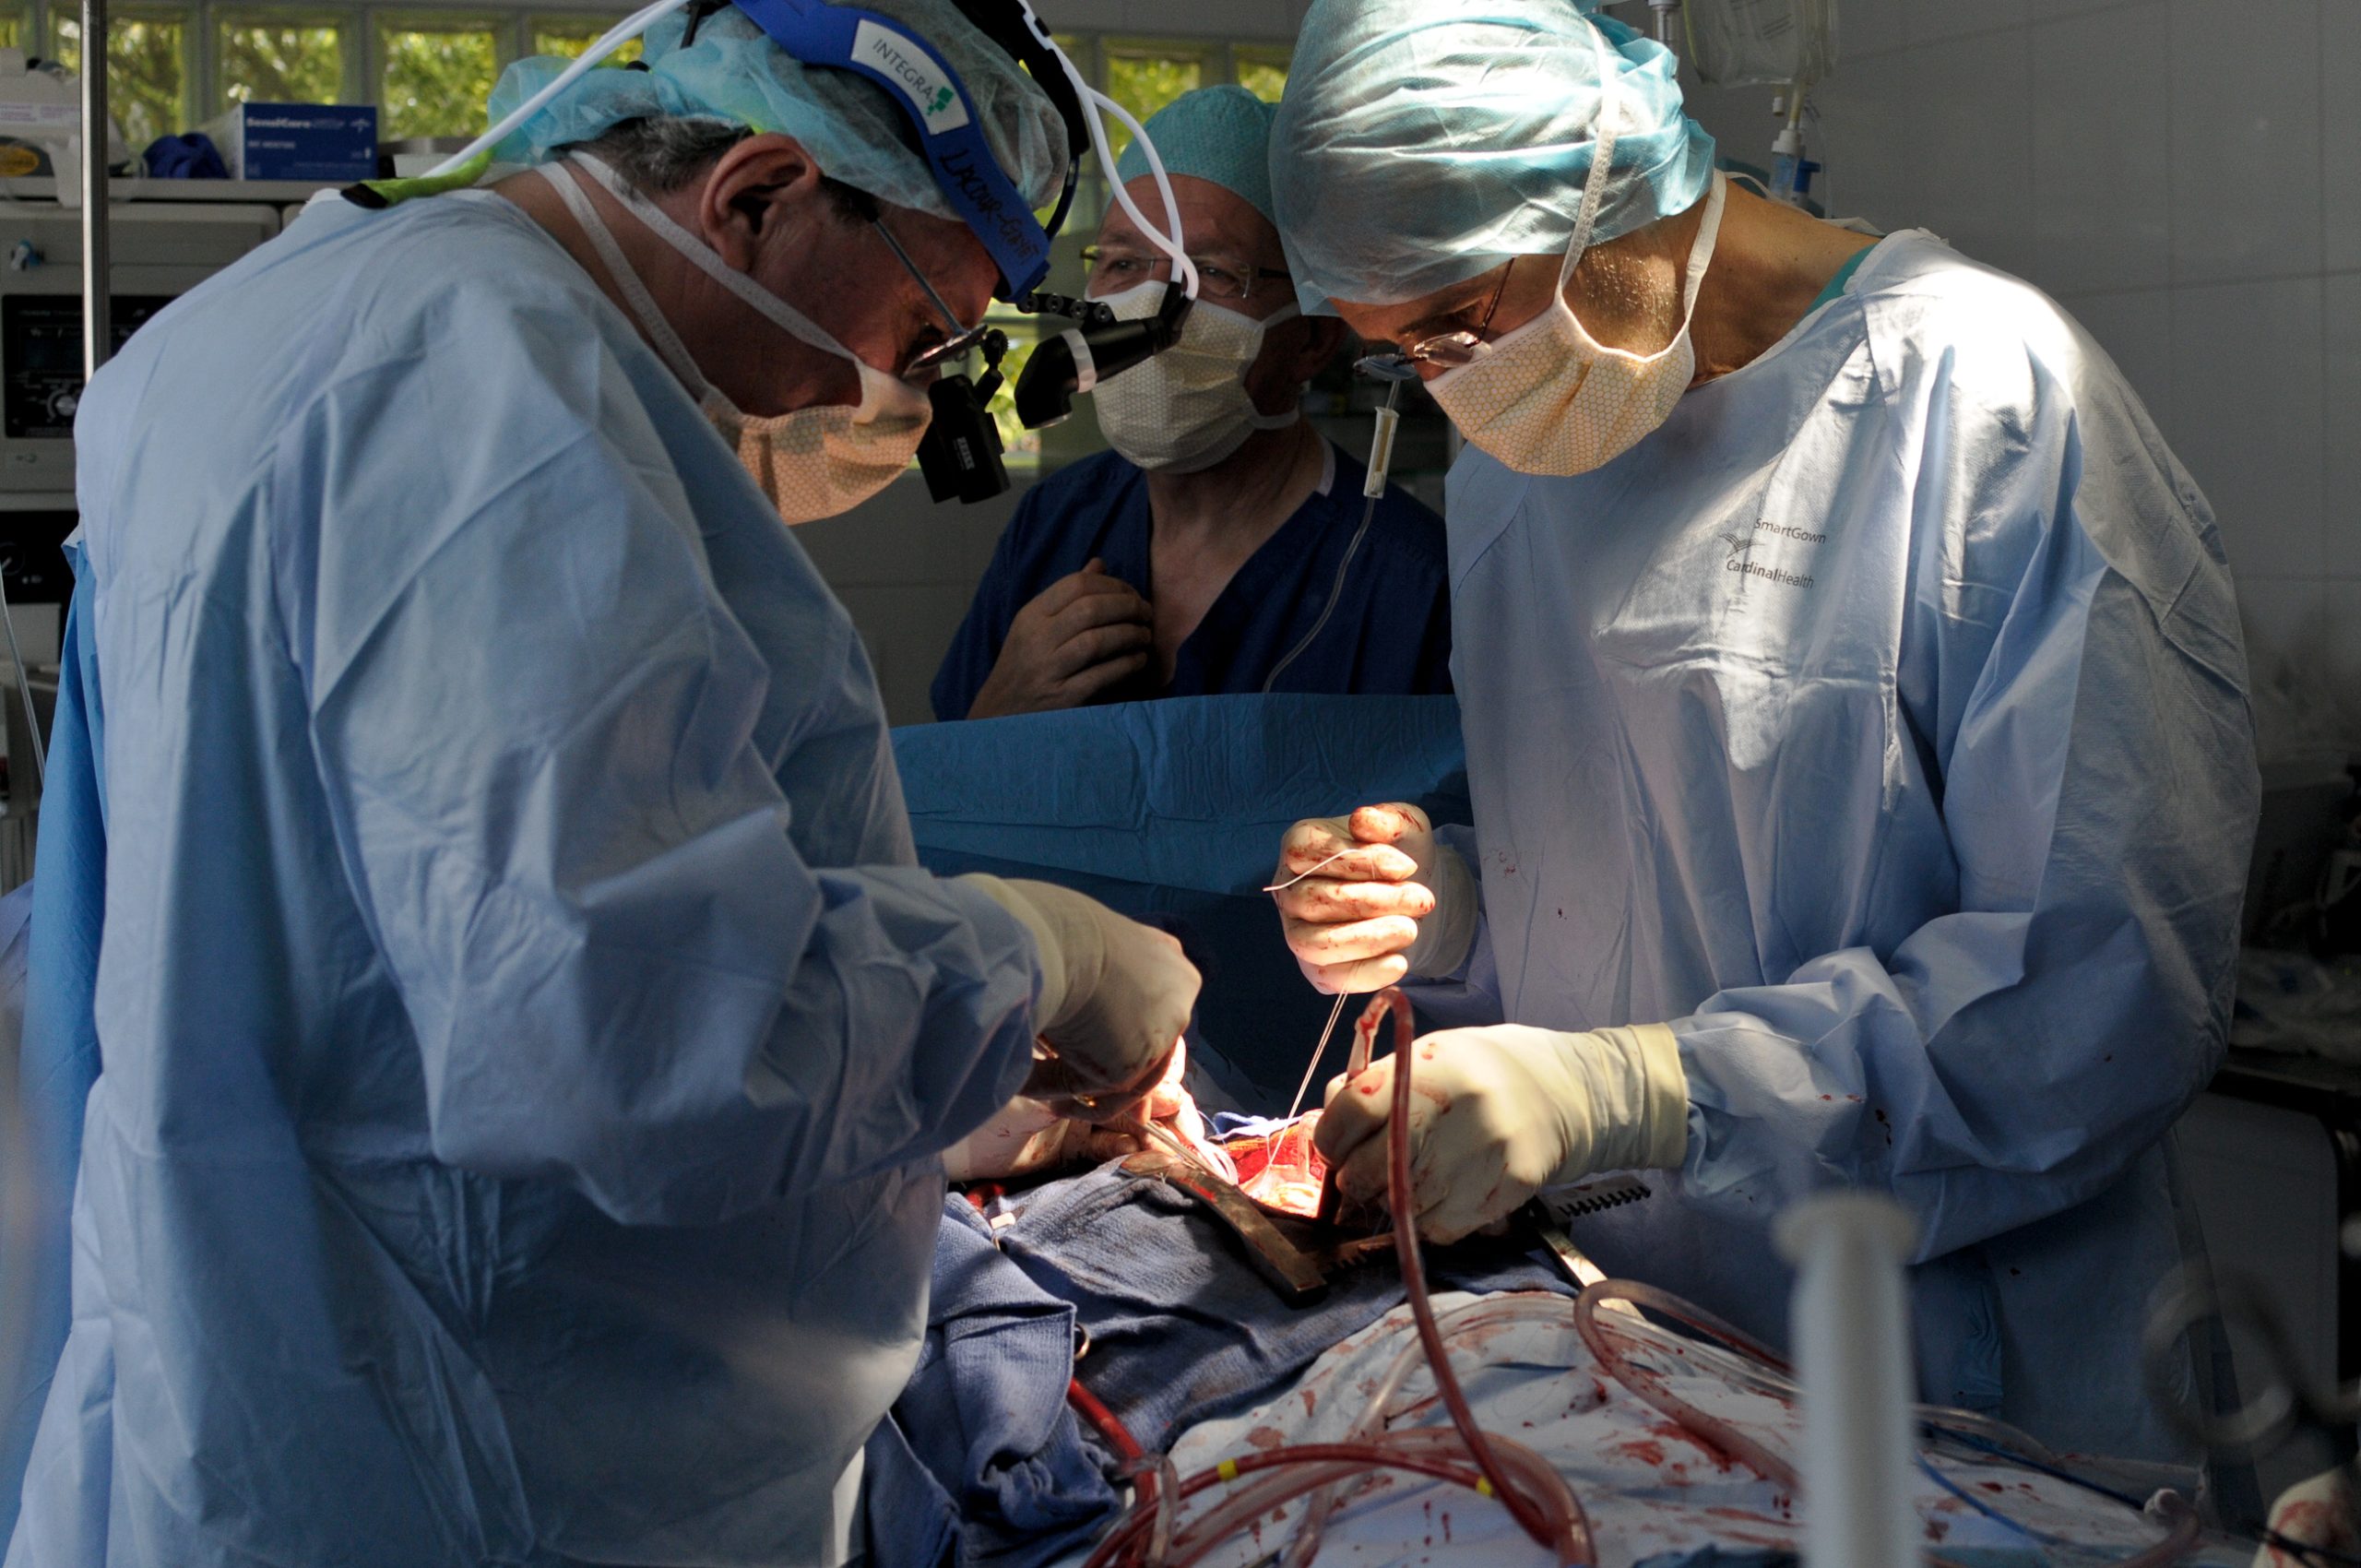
(1862, 770)
(1222, 545)
(529, 1047)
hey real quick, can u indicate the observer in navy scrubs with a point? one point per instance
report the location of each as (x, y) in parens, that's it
(1200, 555)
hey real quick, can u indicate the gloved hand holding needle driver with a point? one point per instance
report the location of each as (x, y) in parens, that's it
(1355, 895)
(1115, 999)
(1499, 1112)
(1032, 1136)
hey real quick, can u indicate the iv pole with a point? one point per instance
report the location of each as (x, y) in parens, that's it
(97, 339)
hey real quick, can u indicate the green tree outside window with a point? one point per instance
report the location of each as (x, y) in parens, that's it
(13, 30)
(1145, 83)
(569, 36)
(1021, 448)
(146, 72)
(267, 60)
(1266, 79)
(436, 77)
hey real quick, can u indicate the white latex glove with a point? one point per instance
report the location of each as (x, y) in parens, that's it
(2317, 1513)
(1498, 1113)
(1115, 996)
(1386, 900)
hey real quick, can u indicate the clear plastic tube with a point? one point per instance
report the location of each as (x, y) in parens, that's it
(1167, 1510)
(1550, 1513)
(2180, 1539)
(1399, 1196)
(1435, 1460)
(1331, 1472)
(1432, 1452)
(1536, 1496)
(1715, 1432)
(1294, 1479)
(1484, 1312)
(1465, 1319)
(1100, 105)
(1313, 1466)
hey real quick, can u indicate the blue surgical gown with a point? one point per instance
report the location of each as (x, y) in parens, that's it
(58, 1058)
(1389, 636)
(1880, 723)
(527, 1036)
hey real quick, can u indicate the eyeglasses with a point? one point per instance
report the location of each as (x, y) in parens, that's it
(1447, 349)
(957, 341)
(1218, 278)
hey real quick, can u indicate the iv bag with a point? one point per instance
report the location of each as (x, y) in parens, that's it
(1761, 43)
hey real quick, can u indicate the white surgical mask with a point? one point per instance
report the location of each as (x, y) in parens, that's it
(1187, 408)
(1549, 398)
(811, 462)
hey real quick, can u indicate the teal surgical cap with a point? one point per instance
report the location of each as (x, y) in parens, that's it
(734, 73)
(1219, 133)
(1422, 144)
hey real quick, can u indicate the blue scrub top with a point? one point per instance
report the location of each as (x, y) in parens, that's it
(1390, 637)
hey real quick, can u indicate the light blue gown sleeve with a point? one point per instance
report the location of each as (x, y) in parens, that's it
(2074, 683)
(552, 757)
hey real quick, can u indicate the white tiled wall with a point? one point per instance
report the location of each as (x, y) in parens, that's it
(906, 568)
(2186, 176)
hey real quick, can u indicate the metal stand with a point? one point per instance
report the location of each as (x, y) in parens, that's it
(98, 338)
(1667, 14)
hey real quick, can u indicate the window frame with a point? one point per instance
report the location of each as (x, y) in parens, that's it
(363, 26)
(346, 19)
(533, 19)
(1212, 59)
(505, 24)
(47, 20)
(205, 90)
(1280, 57)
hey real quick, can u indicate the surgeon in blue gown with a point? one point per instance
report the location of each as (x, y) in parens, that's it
(1219, 546)
(530, 1050)
(1862, 770)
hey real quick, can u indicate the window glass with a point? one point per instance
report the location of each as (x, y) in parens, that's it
(1265, 76)
(1145, 83)
(1020, 447)
(270, 59)
(147, 71)
(436, 76)
(14, 29)
(569, 36)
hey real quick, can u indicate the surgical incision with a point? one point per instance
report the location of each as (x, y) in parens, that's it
(1280, 1169)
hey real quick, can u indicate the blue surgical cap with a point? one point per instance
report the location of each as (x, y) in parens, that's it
(856, 133)
(1421, 144)
(1220, 134)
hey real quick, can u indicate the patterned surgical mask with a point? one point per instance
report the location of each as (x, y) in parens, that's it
(1187, 409)
(811, 462)
(1549, 397)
